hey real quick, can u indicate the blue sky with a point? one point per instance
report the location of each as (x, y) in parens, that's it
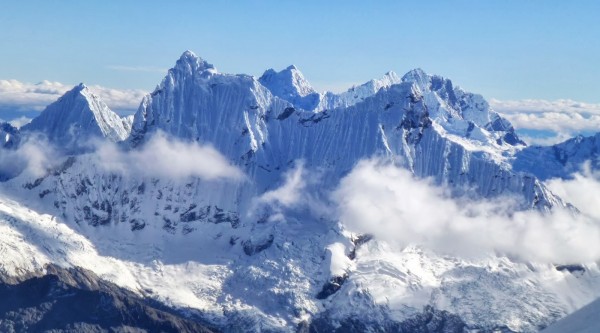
(502, 49)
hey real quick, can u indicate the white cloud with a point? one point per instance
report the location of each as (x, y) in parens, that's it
(388, 202)
(581, 190)
(290, 192)
(34, 157)
(20, 96)
(557, 120)
(541, 106)
(167, 158)
(20, 121)
(548, 140)
(119, 100)
(554, 121)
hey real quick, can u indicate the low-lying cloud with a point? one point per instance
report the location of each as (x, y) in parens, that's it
(382, 199)
(581, 190)
(159, 157)
(167, 158)
(34, 157)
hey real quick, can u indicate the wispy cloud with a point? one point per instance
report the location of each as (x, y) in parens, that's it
(20, 97)
(150, 69)
(21, 121)
(167, 158)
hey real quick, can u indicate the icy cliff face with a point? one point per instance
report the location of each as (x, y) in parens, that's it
(76, 117)
(436, 129)
(560, 160)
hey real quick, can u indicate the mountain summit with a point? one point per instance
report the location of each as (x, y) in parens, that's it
(290, 85)
(77, 116)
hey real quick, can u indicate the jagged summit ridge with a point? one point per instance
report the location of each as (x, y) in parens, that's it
(290, 85)
(76, 116)
(190, 63)
(440, 130)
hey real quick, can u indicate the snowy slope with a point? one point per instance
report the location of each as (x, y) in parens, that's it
(76, 117)
(215, 269)
(584, 320)
(559, 160)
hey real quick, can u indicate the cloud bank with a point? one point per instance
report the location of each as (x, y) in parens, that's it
(551, 121)
(160, 157)
(387, 201)
(581, 190)
(167, 158)
(19, 97)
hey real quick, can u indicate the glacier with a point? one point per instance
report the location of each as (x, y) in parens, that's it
(221, 250)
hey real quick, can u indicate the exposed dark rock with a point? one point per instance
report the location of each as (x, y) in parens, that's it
(76, 300)
(137, 224)
(429, 321)
(286, 113)
(332, 286)
(358, 241)
(35, 183)
(315, 118)
(570, 268)
(251, 248)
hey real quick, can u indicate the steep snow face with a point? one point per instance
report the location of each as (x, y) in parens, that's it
(437, 130)
(195, 102)
(290, 85)
(9, 136)
(560, 160)
(76, 116)
(584, 320)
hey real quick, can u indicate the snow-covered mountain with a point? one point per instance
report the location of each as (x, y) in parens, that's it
(560, 160)
(217, 249)
(76, 117)
(435, 129)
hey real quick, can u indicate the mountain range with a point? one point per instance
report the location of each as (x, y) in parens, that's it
(246, 240)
